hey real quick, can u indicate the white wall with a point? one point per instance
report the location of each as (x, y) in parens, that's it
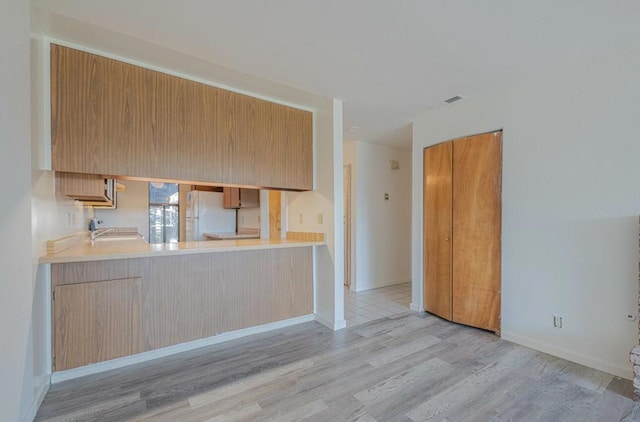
(571, 196)
(132, 210)
(326, 199)
(381, 229)
(16, 355)
(51, 217)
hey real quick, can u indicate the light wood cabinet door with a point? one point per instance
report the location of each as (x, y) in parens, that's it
(438, 229)
(96, 321)
(102, 118)
(462, 230)
(477, 216)
(186, 140)
(114, 118)
(240, 198)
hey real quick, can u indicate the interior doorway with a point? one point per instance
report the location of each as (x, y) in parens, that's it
(275, 214)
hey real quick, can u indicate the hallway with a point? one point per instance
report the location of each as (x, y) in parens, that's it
(369, 305)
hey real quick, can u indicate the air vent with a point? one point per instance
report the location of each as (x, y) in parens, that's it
(454, 99)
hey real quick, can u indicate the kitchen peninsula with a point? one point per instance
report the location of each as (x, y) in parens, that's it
(116, 297)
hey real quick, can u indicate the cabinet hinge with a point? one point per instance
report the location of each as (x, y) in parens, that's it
(54, 362)
(53, 294)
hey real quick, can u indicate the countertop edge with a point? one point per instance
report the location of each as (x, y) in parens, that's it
(52, 259)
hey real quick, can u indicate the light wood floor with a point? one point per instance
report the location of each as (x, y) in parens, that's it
(408, 367)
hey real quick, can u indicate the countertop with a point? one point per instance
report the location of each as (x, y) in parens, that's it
(137, 248)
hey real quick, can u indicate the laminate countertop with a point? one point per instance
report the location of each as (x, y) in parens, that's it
(106, 249)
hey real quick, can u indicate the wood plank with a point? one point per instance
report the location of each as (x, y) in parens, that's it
(437, 217)
(477, 220)
(96, 322)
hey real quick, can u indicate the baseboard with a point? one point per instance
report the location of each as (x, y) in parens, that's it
(334, 325)
(611, 368)
(40, 390)
(172, 350)
(416, 308)
(360, 288)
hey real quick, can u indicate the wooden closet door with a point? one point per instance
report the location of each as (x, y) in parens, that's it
(477, 216)
(437, 229)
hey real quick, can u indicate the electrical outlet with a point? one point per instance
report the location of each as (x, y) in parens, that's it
(557, 321)
(320, 218)
(300, 219)
(71, 219)
(631, 317)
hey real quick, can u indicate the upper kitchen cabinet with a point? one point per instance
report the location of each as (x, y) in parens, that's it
(102, 114)
(91, 189)
(240, 198)
(114, 118)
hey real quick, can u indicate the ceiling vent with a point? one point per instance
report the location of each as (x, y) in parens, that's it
(454, 99)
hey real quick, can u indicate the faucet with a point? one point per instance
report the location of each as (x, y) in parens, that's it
(93, 228)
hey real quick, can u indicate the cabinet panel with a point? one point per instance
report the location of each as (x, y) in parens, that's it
(114, 118)
(287, 135)
(101, 114)
(186, 139)
(241, 198)
(239, 137)
(98, 321)
(477, 216)
(299, 149)
(231, 198)
(182, 297)
(438, 229)
(268, 285)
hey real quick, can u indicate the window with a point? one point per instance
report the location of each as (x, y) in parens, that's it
(164, 215)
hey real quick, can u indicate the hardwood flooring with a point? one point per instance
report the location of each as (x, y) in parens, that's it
(408, 367)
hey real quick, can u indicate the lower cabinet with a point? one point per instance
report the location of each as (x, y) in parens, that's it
(96, 321)
(108, 309)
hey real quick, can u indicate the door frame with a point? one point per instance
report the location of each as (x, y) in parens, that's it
(346, 185)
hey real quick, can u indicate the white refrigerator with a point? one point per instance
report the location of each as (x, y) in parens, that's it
(205, 214)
